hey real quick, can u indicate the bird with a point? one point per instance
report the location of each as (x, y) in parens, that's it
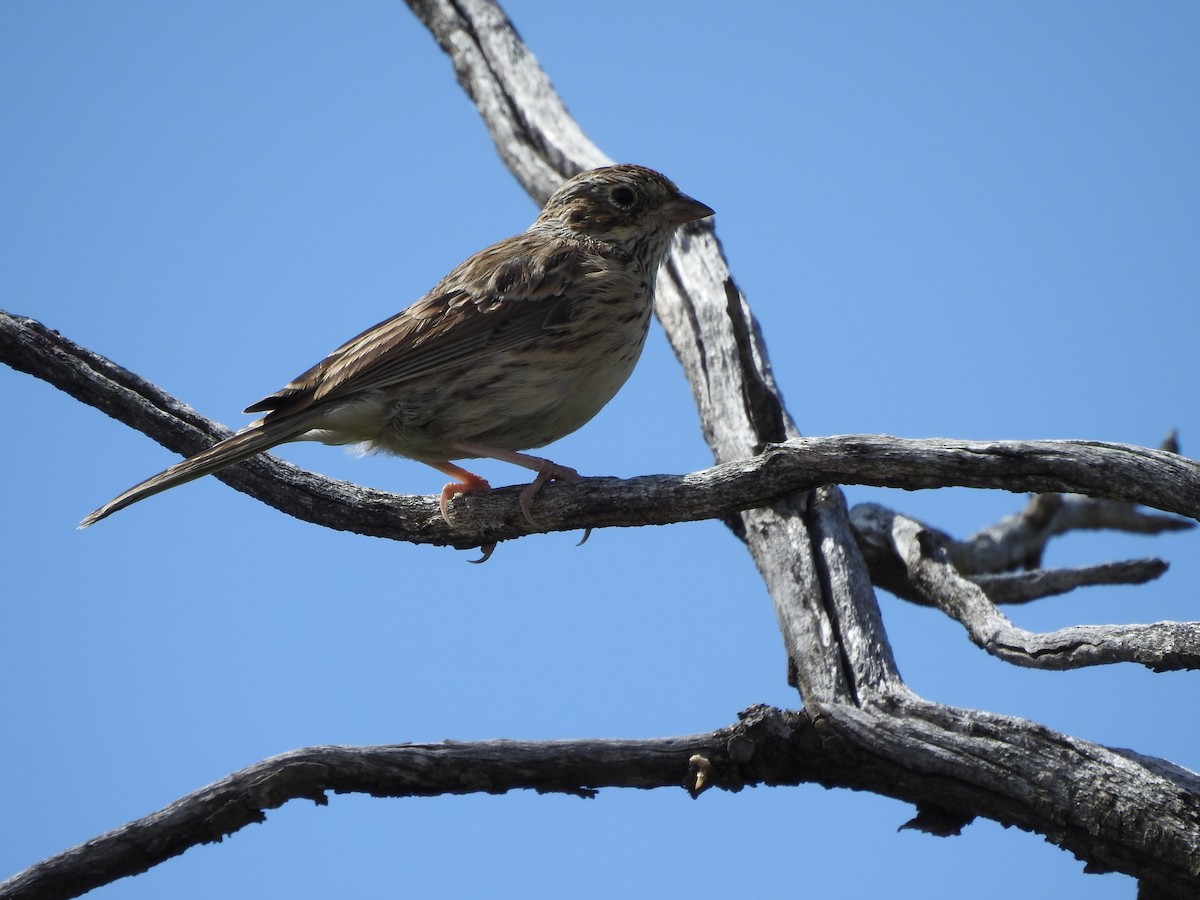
(518, 346)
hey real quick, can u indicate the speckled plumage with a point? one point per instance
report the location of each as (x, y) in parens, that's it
(516, 347)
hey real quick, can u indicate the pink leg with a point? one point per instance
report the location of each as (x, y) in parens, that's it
(465, 483)
(546, 471)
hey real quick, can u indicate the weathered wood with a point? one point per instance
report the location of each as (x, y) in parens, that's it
(905, 750)
(1024, 587)
(909, 560)
(861, 727)
(798, 465)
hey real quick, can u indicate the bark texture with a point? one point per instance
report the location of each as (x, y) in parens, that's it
(860, 726)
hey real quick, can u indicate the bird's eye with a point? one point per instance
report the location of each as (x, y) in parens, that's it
(623, 196)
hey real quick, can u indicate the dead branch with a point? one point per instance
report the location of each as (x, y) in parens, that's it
(1123, 472)
(949, 781)
(1023, 587)
(859, 718)
(911, 560)
(1018, 541)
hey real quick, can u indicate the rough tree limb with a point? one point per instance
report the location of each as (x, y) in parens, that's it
(907, 559)
(1019, 540)
(1118, 811)
(1023, 587)
(1123, 472)
(836, 646)
(735, 757)
(767, 747)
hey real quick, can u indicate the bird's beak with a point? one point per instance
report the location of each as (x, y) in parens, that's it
(684, 209)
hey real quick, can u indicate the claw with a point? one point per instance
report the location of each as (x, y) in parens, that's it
(467, 483)
(549, 472)
(487, 550)
(546, 471)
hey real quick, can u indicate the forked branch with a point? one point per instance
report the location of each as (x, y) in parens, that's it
(861, 727)
(907, 559)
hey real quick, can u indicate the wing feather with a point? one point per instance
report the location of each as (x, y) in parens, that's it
(450, 325)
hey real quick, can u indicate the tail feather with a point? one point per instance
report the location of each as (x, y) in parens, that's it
(243, 445)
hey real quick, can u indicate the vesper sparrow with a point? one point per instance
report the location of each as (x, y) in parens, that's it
(518, 346)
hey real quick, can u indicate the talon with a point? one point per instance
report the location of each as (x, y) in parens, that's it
(468, 483)
(586, 534)
(527, 496)
(546, 471)
(487, 550)
(549, 472)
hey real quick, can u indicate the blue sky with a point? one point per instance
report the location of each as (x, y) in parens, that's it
(960, 220)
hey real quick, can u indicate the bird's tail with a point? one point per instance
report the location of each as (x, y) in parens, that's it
(254, 439)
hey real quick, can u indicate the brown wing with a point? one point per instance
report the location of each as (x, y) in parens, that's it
(462, 316)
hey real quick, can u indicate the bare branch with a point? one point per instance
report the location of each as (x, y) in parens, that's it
(1097, 804)
(1018, 541)
(781, 470)
(1022, 587)
(537, 138)
(861, 727)
(908, 558)
(415, 770)
(953, 764)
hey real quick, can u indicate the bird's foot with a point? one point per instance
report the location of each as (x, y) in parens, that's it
(467, 483)
(546, 473)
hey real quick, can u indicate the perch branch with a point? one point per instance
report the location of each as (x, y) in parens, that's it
(1129, 473)
(870, 731)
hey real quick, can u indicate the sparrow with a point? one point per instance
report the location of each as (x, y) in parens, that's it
(518, 346)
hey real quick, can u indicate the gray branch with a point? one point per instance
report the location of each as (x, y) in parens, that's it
(861, 726)
(906, 558)
(838, 652)
(1018, 541)
(1023, 587)
(899, 752)
(778, 472)
(415, 770)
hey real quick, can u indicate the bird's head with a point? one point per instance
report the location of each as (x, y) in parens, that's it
(622, 204)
